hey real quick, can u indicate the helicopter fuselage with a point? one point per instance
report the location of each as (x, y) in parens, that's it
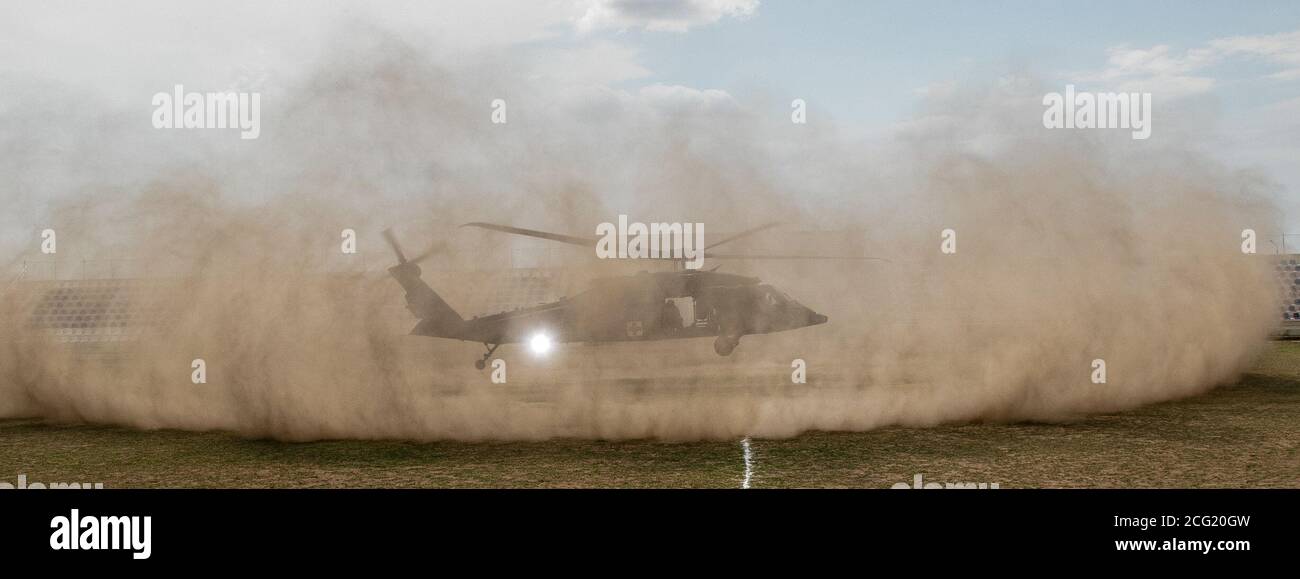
(645, 306)
(684, 303)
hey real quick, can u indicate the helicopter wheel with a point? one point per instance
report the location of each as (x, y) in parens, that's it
(481, 363)
(725, 344)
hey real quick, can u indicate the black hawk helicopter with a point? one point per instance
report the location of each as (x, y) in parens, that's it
(676, 304)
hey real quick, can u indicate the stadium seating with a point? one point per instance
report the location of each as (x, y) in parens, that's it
(109, 310)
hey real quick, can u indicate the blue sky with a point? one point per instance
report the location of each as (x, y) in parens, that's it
(869, 64)
(1233, 67)
(864, 59)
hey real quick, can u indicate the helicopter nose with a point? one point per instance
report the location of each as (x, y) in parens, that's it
(817, 318)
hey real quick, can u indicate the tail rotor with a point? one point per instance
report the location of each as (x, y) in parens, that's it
(436, 317)
(401, 256)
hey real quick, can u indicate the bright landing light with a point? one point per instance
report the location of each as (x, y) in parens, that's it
(540, 343)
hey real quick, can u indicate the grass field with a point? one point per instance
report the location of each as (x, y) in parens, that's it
(1243, 435)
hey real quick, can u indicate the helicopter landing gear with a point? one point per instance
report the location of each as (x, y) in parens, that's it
(724, 344)
(482, 362)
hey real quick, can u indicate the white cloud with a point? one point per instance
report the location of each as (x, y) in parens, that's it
(938, 89)
(1156, 61)
(1288, 74)
(1282, 49)
(599, 62)
(667, 15)
(1167, 87)
(1156, 70)
(682, 97)
(125, 49)
(1160, 69)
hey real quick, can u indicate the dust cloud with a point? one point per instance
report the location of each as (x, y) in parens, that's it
(1071, 246)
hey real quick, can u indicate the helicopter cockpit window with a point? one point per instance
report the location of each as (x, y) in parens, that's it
(773, 297)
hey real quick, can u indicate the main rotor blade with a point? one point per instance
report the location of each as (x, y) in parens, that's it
(771, 256)
(392, 240)
(743, 234)
(570, 239)
(426, 254)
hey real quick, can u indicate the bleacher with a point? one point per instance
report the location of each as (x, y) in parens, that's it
(96, 311)
(106, 311)
(1288, 278)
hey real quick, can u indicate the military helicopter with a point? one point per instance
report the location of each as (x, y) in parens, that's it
(664, 305)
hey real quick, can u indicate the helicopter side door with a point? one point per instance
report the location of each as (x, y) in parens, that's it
(725, 309)
(643, 310)
(619, 309)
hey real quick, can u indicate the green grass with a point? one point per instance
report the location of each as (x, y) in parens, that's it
(1243, 435)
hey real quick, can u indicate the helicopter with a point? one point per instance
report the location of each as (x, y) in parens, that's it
(678, 304)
